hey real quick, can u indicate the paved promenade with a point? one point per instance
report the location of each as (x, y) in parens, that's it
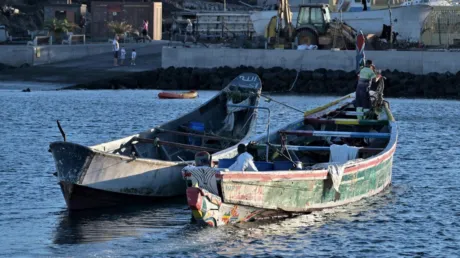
(84, 70)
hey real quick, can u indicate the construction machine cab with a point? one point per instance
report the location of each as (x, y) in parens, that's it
(312, 25)
(315, 16)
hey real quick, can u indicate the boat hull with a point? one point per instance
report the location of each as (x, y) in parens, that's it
(280, 196)
(172, 95)
(116, 172)
(407, 21)
(80, 197)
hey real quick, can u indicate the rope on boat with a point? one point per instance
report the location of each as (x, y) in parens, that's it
(281, 103)
(297, 76)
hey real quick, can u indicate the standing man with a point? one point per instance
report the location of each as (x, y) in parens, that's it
(189, 31)
(174, 29)
(116, 48)
(145, 30)
(83, 25)
(363, 101)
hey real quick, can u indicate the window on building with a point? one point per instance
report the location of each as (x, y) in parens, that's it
(60, 15)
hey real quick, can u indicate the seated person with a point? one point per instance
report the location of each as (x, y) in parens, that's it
(244, 162)
(203, 159)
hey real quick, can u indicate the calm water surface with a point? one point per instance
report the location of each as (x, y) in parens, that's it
(419, 215)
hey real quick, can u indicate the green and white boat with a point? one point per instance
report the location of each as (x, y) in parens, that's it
(333, 156)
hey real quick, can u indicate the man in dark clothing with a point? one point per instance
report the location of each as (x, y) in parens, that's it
(364, 2)
(362, 98)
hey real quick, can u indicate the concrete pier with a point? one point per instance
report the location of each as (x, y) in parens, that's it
(49, 54)
(62, 66)
(415, 62)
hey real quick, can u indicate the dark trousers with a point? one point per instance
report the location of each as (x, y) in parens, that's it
(363, 98)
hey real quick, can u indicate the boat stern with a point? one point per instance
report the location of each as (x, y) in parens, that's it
(204, 206)
(72, 160)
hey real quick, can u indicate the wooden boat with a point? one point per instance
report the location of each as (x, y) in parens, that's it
(147, 166)
(217, 196)
(172, 95)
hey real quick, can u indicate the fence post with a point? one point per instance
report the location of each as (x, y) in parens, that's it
(439, 30)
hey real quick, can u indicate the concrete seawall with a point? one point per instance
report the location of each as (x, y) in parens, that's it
(39, 55)
(415, 62)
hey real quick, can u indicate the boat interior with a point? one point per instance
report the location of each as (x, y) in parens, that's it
(212, 127)
(304, 144)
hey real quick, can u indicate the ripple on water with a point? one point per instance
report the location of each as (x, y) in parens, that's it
(417, 216)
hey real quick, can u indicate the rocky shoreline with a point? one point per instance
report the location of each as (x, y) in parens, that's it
(279, 80)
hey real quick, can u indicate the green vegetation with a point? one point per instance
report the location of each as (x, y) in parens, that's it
(59, 26)
(119, 28)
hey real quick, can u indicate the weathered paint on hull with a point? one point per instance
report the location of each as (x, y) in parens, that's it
(208, 210)
(297, 196)
(79, 197)
(78, 165)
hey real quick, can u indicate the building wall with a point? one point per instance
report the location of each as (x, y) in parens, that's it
(73, 13)
(132, 12)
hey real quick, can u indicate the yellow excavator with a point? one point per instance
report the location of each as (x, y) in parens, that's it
(313, 27)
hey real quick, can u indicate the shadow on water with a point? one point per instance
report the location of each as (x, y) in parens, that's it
(99, 225)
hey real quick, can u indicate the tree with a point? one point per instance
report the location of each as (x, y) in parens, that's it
(59, 26)
(119, 28)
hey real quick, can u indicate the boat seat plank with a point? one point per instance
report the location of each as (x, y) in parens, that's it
(347, 113)
(335, 134)
(175, 144)
(315, 148)
(344, 121)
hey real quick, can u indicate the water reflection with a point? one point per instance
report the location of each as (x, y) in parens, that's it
(106, 224)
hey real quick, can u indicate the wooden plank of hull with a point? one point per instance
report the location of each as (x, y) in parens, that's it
(289, 192)
(134, 176)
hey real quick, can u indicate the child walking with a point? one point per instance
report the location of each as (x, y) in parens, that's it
(133, 57)
(122, 55)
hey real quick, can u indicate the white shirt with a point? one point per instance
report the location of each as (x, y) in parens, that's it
(116, 46)
(133, 55)
(123, 53)
(189, 27)
(244, 162)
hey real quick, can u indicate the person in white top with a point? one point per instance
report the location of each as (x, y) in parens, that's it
(122, 55)
(244, 162)
(189, 31)
(116, 48)
(133, 57)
